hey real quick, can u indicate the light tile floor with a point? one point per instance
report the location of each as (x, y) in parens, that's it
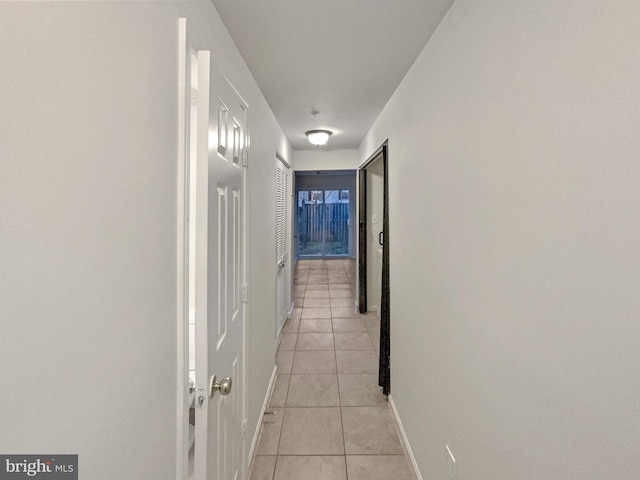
(331, 421)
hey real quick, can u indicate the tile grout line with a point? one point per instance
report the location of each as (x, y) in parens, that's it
(344, 441)
(284, 408)
(337, 376)
(339, 394)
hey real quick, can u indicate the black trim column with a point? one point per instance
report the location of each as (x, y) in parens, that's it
(384, 376)
(362, 240)
(384, 371)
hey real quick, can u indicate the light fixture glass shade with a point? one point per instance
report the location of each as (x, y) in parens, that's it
(318, 137)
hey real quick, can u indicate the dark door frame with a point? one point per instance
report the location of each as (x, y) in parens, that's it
(384, 373)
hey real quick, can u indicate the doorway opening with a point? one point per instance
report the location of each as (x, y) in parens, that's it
(186, 258)
(373, 251)
(325, 207)
(191, 248)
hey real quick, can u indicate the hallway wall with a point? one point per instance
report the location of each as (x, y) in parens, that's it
(88, 231)
(515, 268)
(325, 159)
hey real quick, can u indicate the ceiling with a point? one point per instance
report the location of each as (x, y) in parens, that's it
(342, 58)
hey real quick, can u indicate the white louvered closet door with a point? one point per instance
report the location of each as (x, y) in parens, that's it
(283, 267)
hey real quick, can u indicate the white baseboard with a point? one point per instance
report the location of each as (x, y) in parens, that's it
(288, 316)
(405, 441)
(265, 404)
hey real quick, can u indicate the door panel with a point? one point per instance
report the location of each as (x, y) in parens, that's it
(219, 420)
(336, 225)
(310, 222)
(283, 269)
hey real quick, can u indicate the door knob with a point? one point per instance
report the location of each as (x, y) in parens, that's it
(223, 386)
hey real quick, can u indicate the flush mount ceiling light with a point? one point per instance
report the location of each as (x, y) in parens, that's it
(318, 137)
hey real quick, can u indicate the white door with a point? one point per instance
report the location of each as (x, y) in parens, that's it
(222, 140)
(283, 269)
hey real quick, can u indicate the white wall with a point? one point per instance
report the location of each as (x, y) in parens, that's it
(325, 159)
(515, 267)
(88, 229)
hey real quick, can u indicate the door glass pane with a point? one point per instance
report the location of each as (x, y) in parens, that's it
(323, 222)
(310, 222)
(337, 222)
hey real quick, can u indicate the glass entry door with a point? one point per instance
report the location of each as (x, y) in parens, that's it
(323, 223)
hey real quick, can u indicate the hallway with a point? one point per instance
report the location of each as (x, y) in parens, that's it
(329, 418)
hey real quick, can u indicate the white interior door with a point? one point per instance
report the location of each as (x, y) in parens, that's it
(220, 276)
(283, 268)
